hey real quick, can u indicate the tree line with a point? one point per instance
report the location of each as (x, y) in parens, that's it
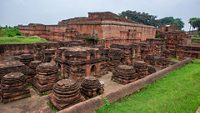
(8, 31)
(147, 19)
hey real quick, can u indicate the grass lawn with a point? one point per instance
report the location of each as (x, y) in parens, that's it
(21, 40)
(179, 92)
(195, 39)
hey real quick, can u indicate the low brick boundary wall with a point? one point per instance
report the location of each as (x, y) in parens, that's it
(13, 49)
(93, 104)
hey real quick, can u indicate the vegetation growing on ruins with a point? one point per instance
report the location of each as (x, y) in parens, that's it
(92, 39)
(52, 107)
(178, 92)
(195, 39)
(21, 40)
(11, 35)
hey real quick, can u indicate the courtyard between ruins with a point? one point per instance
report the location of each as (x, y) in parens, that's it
(40, 103)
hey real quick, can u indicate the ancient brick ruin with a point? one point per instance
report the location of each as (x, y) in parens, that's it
(66, 92)
(91, 87)
(124, 74)
(70, 69)
(78, 62)
(178, 43)
(45, 78)
(107, 26)
(13, 87)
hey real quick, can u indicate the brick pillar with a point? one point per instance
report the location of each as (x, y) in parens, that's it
(87, 70)
(62, 66)
(98, 67)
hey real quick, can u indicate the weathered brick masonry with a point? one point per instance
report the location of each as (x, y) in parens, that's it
(107, 26)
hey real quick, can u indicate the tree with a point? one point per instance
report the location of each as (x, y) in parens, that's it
(139, 17)
(195, 23)
(1, 31)
(148, 19)
(171, 21)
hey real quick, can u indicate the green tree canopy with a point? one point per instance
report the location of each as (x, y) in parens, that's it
(171, 21)
(148, 19)
(195, 23)
(139, 17)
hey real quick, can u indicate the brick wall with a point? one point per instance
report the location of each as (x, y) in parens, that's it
(104, 25)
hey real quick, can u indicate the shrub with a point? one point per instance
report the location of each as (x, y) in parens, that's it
(10, 35)
(157, 35)
(92, 39)
(199, 33)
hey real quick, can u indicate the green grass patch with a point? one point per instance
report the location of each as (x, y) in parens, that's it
(179, 92)
(195, 39)
(21, 40)
(52, 107)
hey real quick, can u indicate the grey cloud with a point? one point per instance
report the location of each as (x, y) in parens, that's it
(14, 12)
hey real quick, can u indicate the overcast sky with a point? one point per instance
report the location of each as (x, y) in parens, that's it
(14, 12)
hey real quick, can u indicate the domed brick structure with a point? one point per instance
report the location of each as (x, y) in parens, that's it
(47, 76)
(49, 54)
(151, 69)
(26, 58)
(91, 87)
(141, 68)
(32, 71)
(33, 64)
(124, 74)
(14, 87)
(66, 92)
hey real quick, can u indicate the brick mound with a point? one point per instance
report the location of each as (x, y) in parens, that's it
(151, 69)
(32, 71)
(157, 61)
(91, 87)
(46, 77)
(29, 73)
(124, 74)
(34, 64)
(141, 68)
(115, 56)
(26, 58)
(162, 62)
(49, 54)
(150, 59)
(66, 92)
(14, 87)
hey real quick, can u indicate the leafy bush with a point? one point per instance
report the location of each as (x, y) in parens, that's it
(92, 39)
(157, 35)
(9, 31)
(10, 35)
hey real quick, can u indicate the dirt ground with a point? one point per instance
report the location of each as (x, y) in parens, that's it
(32, 103)
(36, 103)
